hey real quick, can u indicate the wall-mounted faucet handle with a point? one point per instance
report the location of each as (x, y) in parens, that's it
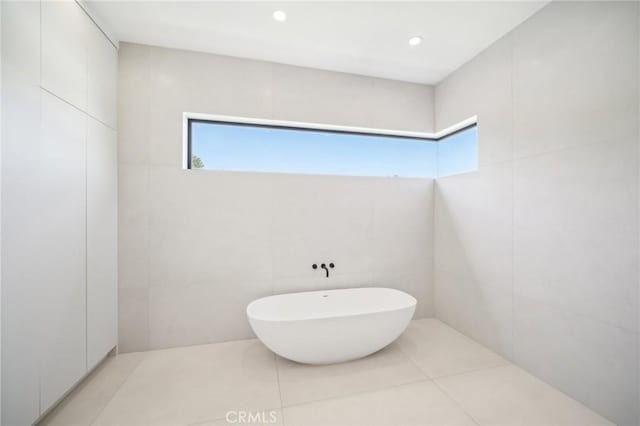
(331, 265)
(314, 266)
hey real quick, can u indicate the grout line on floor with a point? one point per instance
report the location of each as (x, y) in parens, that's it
(412, 361)
(473, 339)
(506, 360)
(275, 362)
(475, 370)
(455, 401)
(194, 345)
(426, 379)
(126, 379)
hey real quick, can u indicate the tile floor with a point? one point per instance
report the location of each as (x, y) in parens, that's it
(432, 375)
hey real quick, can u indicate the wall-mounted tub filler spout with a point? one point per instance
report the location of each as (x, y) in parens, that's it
(323, 266)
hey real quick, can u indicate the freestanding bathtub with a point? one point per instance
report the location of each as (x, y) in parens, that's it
(325, 327)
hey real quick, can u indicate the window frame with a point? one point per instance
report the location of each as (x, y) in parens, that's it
(190, 118)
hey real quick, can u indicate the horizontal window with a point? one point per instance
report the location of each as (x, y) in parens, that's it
(458, 152)
(231, 146)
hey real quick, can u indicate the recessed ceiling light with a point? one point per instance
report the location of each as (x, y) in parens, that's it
(414, 41)
(279, 16)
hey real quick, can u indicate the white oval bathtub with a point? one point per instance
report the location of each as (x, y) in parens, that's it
(324, 327)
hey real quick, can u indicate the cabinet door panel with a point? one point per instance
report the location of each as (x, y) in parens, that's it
(61, 249)
(64, 51)
(102, 240)
(20, 149)
(103, 71)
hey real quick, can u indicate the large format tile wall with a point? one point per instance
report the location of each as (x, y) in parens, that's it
(536, 253)
(196, 246)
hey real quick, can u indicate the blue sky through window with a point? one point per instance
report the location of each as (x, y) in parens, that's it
(458, 153)
(279, 150)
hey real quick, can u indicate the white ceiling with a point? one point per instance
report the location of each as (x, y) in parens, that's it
(369, 38)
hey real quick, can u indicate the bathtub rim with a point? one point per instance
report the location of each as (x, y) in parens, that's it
(411, 305)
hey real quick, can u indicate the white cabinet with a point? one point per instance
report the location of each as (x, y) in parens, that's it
(102, 241)
(102, 77)
(60, 255)
(20, 151)
(59, 211)
(64, 51)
